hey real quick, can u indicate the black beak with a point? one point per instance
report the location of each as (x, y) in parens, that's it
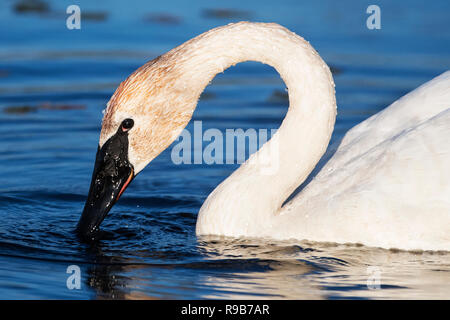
(112, 174)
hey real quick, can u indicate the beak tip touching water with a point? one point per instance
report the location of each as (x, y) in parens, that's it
(86, 234)
(111, 176)
(103, 194)
(88, 226)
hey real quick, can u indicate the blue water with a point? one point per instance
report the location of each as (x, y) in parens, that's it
(54, 84)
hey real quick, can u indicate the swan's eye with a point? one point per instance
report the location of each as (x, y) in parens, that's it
(127, 124)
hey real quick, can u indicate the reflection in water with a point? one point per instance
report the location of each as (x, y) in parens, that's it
(258, 269)
(105, 275)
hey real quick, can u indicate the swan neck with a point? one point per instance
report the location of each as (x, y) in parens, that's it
(162, 95)
(306, 130)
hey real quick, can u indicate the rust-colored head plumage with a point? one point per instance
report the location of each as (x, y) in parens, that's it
(157, 101)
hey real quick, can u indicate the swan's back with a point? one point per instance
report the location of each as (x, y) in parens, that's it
(389, 175)
(417, 106)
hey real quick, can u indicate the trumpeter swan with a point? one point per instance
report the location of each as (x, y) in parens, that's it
(387, 183)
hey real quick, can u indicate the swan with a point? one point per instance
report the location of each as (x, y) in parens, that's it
(386, 183)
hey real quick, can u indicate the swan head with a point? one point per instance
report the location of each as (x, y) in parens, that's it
(144, 116)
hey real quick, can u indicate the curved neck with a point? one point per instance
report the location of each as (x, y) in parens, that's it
(306, 130)
(170, 86)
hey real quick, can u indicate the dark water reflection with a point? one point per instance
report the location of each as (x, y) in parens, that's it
(54, 84)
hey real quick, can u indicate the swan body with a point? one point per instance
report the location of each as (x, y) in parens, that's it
(385, 184)
(388, 181)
